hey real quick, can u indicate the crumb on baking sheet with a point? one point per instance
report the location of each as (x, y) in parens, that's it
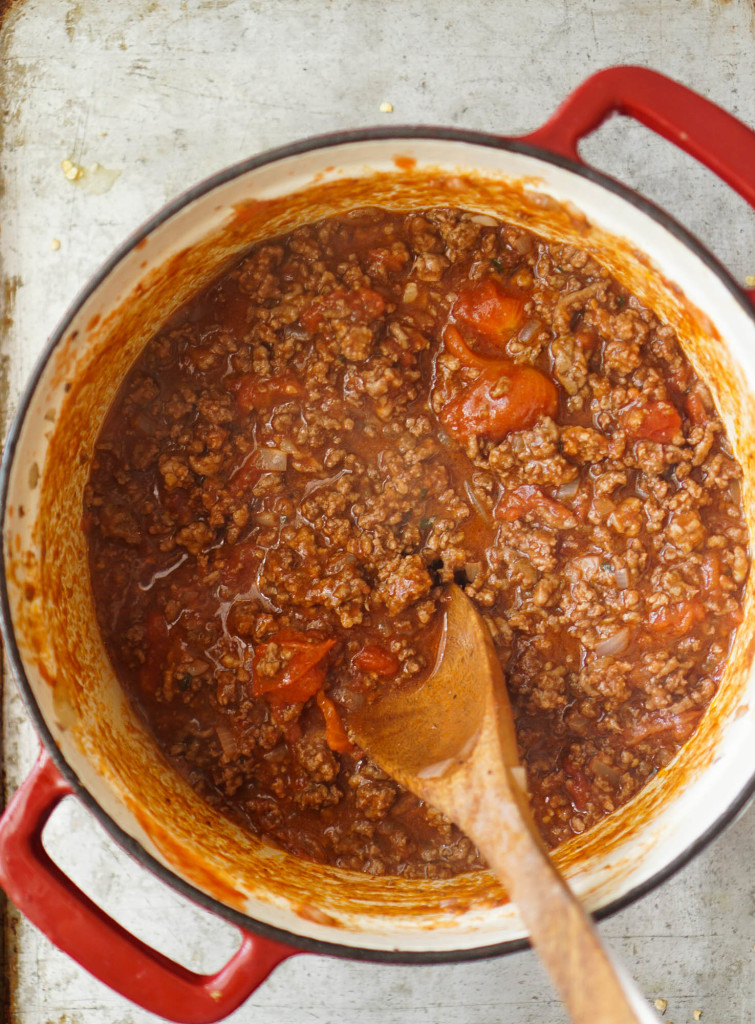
(660, 1005)
(55, 244)
(386, 107)
(72, 171)
(697, 1014)
(750, 280)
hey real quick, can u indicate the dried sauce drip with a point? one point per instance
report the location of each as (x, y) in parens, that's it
(358, 413)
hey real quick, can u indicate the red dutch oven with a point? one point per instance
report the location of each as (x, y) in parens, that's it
(95, 747)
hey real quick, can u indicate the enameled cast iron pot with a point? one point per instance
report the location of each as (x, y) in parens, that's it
(93, 745)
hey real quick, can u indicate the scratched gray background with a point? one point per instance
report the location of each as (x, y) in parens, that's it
(148, 97)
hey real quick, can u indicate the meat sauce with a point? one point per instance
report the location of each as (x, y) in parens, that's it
(352, 417)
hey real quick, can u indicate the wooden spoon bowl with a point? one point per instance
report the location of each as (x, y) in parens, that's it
(451, 741)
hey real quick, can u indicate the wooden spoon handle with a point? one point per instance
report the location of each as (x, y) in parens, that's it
(570, 948)
(591, 985)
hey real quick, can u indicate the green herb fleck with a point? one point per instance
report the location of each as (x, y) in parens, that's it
(498, 265)
(426, 522)
(606, 566)
(620, 300)
(423, 493)
(342, 357)
(184, 683)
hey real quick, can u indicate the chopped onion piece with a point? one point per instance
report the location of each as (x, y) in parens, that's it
(482, 218)
(529, 330)
(568, 490)
(472, 570)
(479, 507)
(622, 578)
(228, 742)
(614, 644)
(605, 771)
(271, 460)
(523, 244)
(583, 568)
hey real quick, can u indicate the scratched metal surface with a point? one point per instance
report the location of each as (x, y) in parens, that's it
(149, 97)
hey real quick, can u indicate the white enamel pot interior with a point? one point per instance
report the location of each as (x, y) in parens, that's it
(102, 747)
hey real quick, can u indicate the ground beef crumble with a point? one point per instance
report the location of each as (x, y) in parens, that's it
(357, 414)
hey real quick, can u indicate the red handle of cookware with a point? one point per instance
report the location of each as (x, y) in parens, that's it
(696, 125)
(51, 901)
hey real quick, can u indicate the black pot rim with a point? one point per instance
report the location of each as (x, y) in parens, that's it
(125, 841)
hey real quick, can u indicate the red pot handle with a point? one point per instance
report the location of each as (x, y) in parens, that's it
(699, 127)
(80, 928)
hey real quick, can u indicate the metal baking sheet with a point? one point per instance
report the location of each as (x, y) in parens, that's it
(108, 111)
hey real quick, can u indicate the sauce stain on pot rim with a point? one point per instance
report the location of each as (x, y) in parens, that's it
(60, 643)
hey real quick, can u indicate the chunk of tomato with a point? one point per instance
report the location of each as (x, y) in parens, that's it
(485, 306)
(679, 724)
(301, 673)
(378, 660)
(253, 393)
(362, 305)
(245, 476)
(390, 260)
(695, 408)
(335, 735)
(506, 397)
(456, 345)
(651, 421)
(529, 498)
(676, 620)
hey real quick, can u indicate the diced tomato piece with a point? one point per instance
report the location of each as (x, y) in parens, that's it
(711, 569)
(366, 304)
(335, 735)
(377, 660)
(246, 476)
(300, 690)
(587, 340)
(695, 408)
(362, 305)
(387, 259)
(529, 498)
(577, 785)
(486, 307)
(302, 673)
(244, 559)
(651, 421)
(677, 619)
(456, 345)
(506, 397)
(297, 691)
(680, 724)
(579, 789)
(253, 393)
(311, 318)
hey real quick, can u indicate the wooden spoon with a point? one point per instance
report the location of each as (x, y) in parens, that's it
(451, 741)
